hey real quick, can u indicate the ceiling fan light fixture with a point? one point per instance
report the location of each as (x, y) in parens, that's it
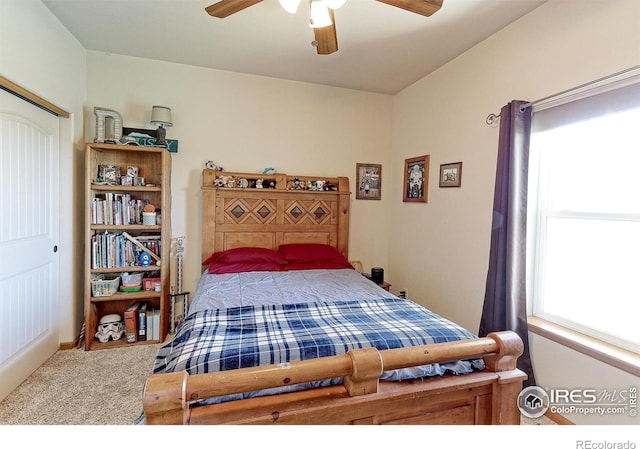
(319, 17)
(291, 6)
(335, 4)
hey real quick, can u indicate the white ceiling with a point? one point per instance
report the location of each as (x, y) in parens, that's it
(381, 48)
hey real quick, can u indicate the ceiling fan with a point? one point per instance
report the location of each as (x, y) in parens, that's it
(322, 18)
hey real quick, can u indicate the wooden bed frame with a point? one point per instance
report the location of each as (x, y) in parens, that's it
(286, 213)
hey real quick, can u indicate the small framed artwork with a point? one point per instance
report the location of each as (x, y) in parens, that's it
(369, 181)
(416, 179)
(451, 174)
(132, 171)
(109, 174)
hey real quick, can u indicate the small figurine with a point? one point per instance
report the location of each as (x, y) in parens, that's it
(145, 259)
(210, 165)
(328, 186)
(225, 181)
(259, 182)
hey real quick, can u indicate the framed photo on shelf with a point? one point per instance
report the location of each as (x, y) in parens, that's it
(369, 181)
(416, 179)
(451, 174)
(109, 174)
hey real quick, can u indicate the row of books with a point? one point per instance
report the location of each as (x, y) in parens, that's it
(141, 322)
(114, 250)
(116, 209)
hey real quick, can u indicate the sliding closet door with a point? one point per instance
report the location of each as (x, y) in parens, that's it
(29, 229)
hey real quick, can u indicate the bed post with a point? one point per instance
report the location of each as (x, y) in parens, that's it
(167, 404)
(365, 372)
(506, 390)
(343, 217)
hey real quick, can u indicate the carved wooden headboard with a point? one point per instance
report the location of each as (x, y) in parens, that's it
(287, 209)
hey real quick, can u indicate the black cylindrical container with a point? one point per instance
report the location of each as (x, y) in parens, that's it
(377, 275)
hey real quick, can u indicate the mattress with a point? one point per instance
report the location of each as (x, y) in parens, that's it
(215, 291)
(262, 318)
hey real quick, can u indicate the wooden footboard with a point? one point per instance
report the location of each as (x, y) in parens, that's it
(485, 397)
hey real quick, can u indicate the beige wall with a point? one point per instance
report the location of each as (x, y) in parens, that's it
(437, 250)
(246, 123)
(440, 250)
(40, 55)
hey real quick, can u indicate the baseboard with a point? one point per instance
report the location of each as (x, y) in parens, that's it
(69, 345)
(72, 344)
(77, 343)
(558, 418)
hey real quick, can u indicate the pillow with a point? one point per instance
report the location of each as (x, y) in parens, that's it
(314, 254)
(243, 267)
(316, 266)
(247, 255)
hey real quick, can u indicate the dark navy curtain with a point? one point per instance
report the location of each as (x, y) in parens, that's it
(505, 294)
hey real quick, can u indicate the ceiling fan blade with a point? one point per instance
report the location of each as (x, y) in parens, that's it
(326, 40)
(422, 7)
(225, 8)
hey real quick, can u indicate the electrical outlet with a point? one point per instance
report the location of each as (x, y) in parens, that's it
(403, 293)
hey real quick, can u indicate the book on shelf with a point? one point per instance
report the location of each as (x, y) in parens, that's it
(111, 208)
(149, 318)
(131, 322)
(156, 324)
(113, 250)
(142, 322)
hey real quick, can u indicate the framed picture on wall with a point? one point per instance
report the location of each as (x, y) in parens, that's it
(369, 181)
(416, 179)
(451, 174)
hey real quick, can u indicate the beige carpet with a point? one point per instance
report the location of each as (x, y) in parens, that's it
(83, 387)
(91, 388)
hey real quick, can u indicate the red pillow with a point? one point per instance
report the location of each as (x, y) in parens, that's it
(243, 267)
(247, 255)
(316, 266)
(314, 254)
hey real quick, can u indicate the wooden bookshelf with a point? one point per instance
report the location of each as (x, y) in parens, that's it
(105, 218)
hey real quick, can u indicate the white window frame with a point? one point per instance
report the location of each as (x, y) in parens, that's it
(557, 328)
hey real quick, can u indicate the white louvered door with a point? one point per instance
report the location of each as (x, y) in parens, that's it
(29, 230)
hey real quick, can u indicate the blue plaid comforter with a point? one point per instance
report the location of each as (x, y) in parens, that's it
(238, 337)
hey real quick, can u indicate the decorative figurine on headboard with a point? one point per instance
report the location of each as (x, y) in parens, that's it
(210, 165)
(225, 181)
(329, 186)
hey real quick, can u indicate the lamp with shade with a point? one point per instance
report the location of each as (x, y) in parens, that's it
(161, 117)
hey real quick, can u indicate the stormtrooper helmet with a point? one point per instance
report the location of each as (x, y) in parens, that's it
(111, 326)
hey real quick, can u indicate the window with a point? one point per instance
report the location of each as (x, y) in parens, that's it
(583, 234)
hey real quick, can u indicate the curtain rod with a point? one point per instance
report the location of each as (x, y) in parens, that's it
(619, 76)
